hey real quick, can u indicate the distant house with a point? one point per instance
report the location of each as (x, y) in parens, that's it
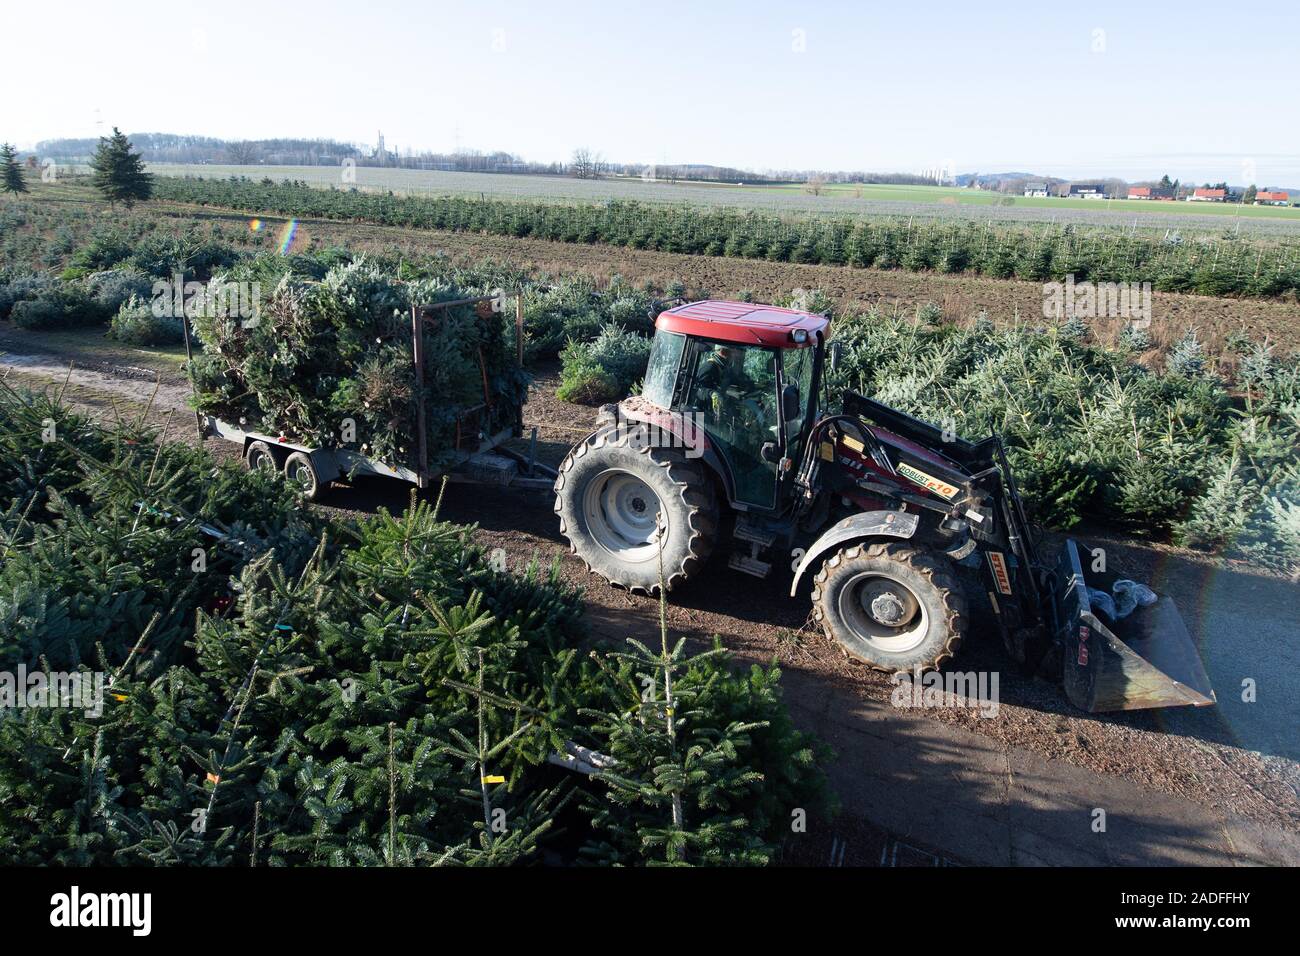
(1037, 190)
(1208, 195)
(1086, 191)
(1277, 198)
(1164, 193)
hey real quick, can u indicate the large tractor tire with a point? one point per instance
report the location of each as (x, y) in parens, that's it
(891, 606)
(613, 494)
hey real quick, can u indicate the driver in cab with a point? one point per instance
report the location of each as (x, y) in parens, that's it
(722, 374)
(723, 370)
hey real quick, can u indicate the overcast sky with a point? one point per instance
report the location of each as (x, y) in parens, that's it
(1204, 91)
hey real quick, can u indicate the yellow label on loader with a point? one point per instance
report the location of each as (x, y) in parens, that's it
(928, 482)
(826, 451)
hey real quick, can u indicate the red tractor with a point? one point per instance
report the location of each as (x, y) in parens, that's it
(732, 445)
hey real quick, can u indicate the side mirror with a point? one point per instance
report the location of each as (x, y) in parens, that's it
(836, 351)
(769, 452)
(791, 407)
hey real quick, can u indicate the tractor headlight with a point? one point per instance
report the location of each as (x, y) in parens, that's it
(799, 336)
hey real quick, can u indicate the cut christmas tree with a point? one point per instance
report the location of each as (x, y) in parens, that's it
(331, 364)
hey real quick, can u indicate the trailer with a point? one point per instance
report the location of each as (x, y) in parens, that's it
(476, 456)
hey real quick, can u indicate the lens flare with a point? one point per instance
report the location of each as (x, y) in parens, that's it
(287, 235)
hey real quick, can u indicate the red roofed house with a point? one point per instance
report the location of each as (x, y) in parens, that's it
(1139, 192)
(1208, 195)
(1270, 198)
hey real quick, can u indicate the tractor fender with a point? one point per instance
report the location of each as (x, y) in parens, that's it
(693, 440)
(868, 524)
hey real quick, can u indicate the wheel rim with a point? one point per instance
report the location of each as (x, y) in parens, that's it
(300, 474)
(883, 612)
(623, 515)
(261, 461)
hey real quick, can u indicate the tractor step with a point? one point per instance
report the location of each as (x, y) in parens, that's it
(753, 534)
(758, 539)
(749, 565)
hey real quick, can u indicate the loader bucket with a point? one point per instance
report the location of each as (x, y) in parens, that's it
(1146, 659)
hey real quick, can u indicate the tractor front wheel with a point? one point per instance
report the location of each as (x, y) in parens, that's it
(621, 503)
(891, 606)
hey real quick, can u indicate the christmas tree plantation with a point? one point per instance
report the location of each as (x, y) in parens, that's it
(1092, 432)
(283, 689)
(330, 363)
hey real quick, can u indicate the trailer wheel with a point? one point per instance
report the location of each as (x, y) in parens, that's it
(259, 457)
(614, 493)
(300, 471)
(891, 606)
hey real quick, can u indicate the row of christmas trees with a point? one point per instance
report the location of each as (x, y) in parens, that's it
(279, 688)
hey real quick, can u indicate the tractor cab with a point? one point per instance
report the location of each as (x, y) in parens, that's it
(746, 377)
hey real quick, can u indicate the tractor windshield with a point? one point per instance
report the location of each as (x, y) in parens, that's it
(661, 372)
(733, 389)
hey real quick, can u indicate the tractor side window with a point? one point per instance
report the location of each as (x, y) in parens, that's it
(734, 392)
(661, 372)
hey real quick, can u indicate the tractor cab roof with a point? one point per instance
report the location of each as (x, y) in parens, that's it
(745, 323)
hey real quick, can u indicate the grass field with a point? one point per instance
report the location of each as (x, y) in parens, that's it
(839, 199)
(984, 197)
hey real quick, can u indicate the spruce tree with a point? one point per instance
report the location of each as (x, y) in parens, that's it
(13, 173)
(119, 172)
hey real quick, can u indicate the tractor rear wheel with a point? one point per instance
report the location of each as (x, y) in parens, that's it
(621, 502)
(891, 606)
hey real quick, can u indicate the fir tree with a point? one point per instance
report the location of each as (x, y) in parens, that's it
(1218, 517)
(118, 172)
(1188, 356)
(13, 173)
(676, 785)
(1075, 329)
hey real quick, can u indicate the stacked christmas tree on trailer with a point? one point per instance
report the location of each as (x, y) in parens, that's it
(332, 363)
